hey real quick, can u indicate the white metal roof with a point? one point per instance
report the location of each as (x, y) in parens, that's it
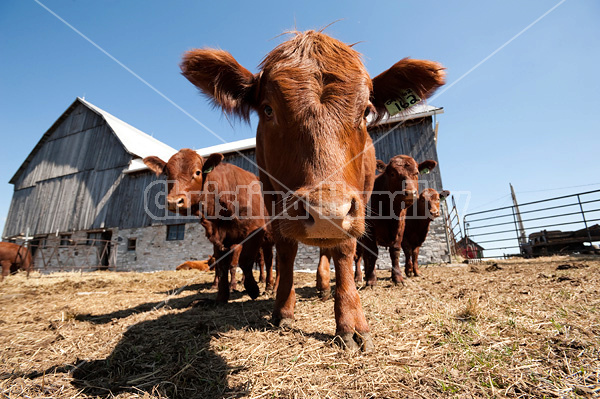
(421, 110)
(134, 140)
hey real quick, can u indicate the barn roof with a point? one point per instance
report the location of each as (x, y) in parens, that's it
(134, 141)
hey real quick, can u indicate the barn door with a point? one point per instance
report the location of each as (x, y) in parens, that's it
(104, 249)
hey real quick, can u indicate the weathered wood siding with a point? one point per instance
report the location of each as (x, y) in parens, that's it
(415, 138)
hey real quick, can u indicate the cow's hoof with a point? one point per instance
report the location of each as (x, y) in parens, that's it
(283, 322)
(365, 341)
(325, 294)
(371, 283)
(253, 290)
(346, 341)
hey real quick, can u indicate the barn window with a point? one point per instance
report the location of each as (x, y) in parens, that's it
(65, 239)
(175, 232)
(131, 242)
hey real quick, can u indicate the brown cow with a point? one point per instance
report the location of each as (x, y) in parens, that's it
(316, 159)
(202, 265)
(418, 218)
(231, 199)
(395, 190)
(216, 237)
(14, 257)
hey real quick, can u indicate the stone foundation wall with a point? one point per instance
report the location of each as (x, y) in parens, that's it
(154, 252)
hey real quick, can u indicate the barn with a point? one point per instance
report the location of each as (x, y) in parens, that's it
(83, 198)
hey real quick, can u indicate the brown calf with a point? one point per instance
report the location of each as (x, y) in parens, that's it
(202, 265)
(316, 159)
(418, 218)
(395, 190)
(231, 199)
(14, 257)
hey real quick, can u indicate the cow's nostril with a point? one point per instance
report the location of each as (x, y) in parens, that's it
(180, 202)
(310, 220)
(353, 211)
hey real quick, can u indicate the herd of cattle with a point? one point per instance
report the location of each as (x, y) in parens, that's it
(319, 181)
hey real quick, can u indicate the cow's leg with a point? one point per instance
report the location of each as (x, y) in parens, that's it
(358, 256)
(415, 263)
(222, 276)
(247, 259)
(408, 266)
(5, 269)
(267, 250)
(351, 326)
(370, 252)
(277, 274)
(215, 283)
(261, 265)
(285, 300)
(396, 272)
(323, 274)
(236, 252)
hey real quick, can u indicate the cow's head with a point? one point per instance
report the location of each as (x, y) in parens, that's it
(312, 96)
(186, 173)
(429, 202)
(402, 178)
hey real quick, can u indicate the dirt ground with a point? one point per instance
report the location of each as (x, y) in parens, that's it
(512, 328)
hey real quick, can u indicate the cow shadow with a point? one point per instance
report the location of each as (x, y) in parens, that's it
(170, 356)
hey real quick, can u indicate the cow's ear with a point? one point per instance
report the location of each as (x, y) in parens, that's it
(210, 162)
(381, 166)
(427, 166)
(218, 75)
(155, 164)
(421, 76)
(444, 194)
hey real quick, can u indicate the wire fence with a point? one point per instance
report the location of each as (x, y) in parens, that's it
(559, 225)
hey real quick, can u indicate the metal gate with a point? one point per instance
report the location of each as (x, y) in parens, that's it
(559, 225)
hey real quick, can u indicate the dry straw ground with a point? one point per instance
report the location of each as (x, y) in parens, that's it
(518, 329)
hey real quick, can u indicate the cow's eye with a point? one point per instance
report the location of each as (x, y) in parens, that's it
(268, 111)
(367, 112)
(198, 173)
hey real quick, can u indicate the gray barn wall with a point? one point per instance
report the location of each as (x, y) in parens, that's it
(76, 182)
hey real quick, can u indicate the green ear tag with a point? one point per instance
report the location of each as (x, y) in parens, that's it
(407, 99)
(442, 198)
(208, 170)
(424, 171)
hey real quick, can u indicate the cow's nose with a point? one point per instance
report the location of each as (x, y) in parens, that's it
(330, 216)
(411, 194)
(176, 202)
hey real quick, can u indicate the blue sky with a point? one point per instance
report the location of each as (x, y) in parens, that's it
(528, 115)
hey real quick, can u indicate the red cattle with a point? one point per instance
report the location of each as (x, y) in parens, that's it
(202, 265)
(230, 198)
(316, 159)
(14, 257)
(395, 190)
(418, 218)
